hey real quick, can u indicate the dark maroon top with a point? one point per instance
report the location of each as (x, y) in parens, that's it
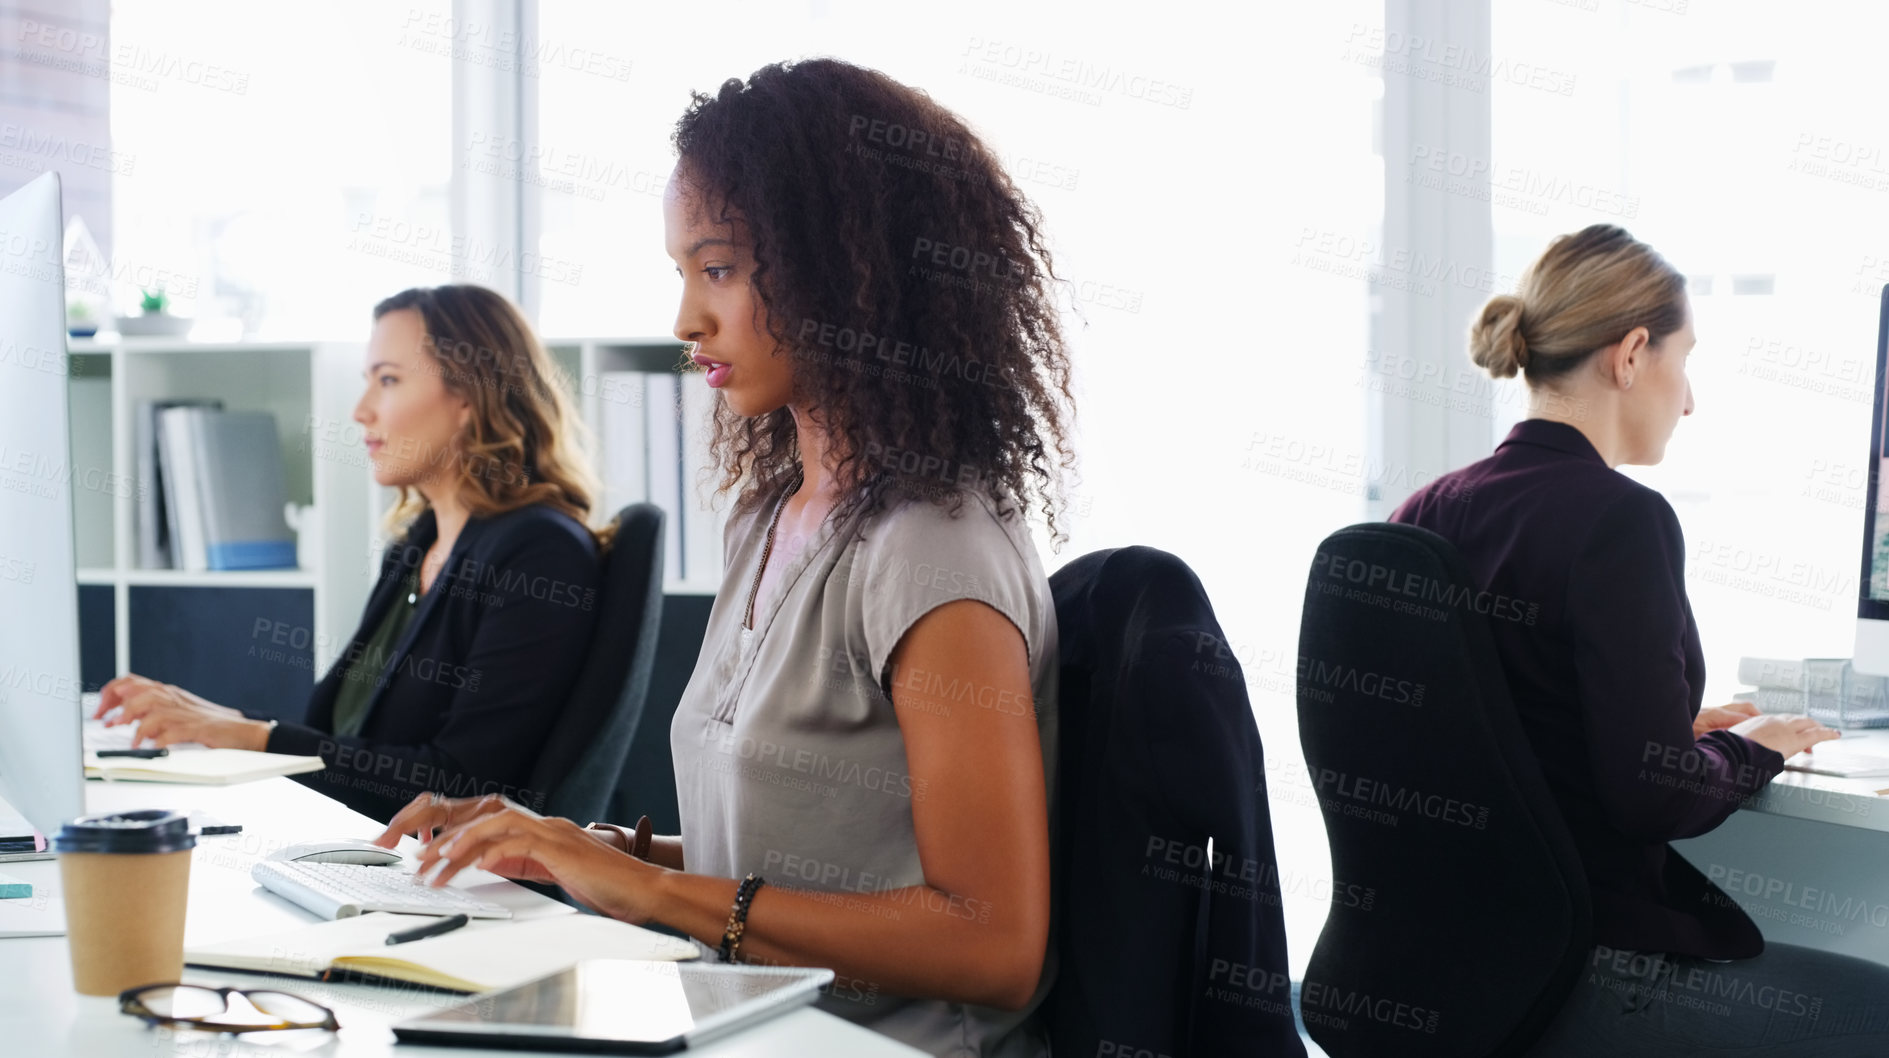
(1603, 662)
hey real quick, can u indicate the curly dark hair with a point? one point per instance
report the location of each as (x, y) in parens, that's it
(907, 276)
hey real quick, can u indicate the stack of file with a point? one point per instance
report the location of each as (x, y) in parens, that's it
(223, 493)
(655, 428)
(154, 520)
(1829, 690)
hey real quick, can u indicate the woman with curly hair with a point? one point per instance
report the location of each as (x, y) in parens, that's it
(865, 752)
(477, 625)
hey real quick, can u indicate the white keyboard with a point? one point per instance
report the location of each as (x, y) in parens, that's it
(343, 890)
(96, 736)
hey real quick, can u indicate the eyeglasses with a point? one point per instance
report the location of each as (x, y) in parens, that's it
(209, 1008)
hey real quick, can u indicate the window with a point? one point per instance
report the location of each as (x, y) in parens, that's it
(1748, 148)
(1206, 193)
(279, 178)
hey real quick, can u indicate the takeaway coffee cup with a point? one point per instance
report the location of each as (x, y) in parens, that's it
(125, 876)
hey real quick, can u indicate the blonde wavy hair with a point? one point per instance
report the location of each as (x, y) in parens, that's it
(523, 444)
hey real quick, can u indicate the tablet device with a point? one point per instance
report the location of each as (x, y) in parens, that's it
(621, 1006)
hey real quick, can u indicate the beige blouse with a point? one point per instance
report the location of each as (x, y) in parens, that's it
(788, 755)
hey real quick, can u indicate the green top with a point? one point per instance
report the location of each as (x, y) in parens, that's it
(364, 672)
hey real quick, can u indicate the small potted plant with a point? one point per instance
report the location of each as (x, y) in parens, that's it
(154, 317)
(81, 321)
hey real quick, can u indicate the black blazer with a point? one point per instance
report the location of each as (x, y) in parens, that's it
(1586, 594)
(473, 687)
(1163, 949)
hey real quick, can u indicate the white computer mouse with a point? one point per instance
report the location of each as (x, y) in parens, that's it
(339, 852)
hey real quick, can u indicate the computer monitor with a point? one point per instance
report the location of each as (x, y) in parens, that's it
(1872, 606)
(41, 773)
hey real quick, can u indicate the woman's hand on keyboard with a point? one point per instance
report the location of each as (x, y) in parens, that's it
(167, 714)
(1789, 735)
(499, 835)
(429, 813)
(1714, 717)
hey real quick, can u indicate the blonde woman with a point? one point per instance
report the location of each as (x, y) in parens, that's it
(483, 609)
(1609, 682)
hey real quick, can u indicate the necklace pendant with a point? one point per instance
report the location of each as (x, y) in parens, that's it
(412, 598)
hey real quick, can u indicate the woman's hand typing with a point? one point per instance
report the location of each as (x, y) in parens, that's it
(1715, 717)
(499, 835)
(1786, 734)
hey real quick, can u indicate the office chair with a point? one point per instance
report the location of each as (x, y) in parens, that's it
(1478, 920)
(581, 762)
(1162, 946)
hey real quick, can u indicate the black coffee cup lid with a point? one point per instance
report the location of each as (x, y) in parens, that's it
(148, 830)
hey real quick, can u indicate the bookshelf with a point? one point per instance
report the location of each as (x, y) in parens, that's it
(611, 381)
(600, 378)
(302, 617)
(199, 628)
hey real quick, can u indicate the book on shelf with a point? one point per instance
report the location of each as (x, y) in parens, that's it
(224, 473)
(483, 955)
(662, 414)
(183, 515)
(655, 429)
(701, 527)
(154, 519)
(622, 432)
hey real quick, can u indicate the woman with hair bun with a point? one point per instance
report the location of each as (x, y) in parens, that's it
(1608, 682)
(479, 621)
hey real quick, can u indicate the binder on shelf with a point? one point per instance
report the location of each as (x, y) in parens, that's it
(622, 430)
(662, 416)
(154, 519)
(227, 471)
(177, 462)
(701, 524)
(653, 427)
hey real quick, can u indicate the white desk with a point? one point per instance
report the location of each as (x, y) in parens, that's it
(1808, 859)
(42, 1017)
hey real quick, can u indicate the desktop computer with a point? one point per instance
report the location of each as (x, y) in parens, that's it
(1872, 606)
(41, 772)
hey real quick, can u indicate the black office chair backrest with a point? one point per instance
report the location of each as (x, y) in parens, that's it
(1474, 920)
(581, 762)
(1167, 927)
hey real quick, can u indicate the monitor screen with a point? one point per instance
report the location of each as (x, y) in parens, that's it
(41, 773)
(1874, 603)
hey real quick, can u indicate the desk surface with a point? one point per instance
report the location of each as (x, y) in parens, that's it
(1844, 802)
(41, 1016)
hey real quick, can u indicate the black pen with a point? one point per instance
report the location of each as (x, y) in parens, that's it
(141, 754)
(431, 929)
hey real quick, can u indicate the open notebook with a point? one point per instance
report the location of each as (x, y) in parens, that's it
(189, 762)
(213, 767)
(479, 957)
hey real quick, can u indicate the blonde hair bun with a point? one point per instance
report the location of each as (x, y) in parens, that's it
(1495, 340)
(1586, 292)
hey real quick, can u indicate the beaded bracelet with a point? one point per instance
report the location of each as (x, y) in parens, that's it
(738, 917)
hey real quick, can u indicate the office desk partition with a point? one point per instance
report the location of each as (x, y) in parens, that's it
(42, 1017)
(1808, 859)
